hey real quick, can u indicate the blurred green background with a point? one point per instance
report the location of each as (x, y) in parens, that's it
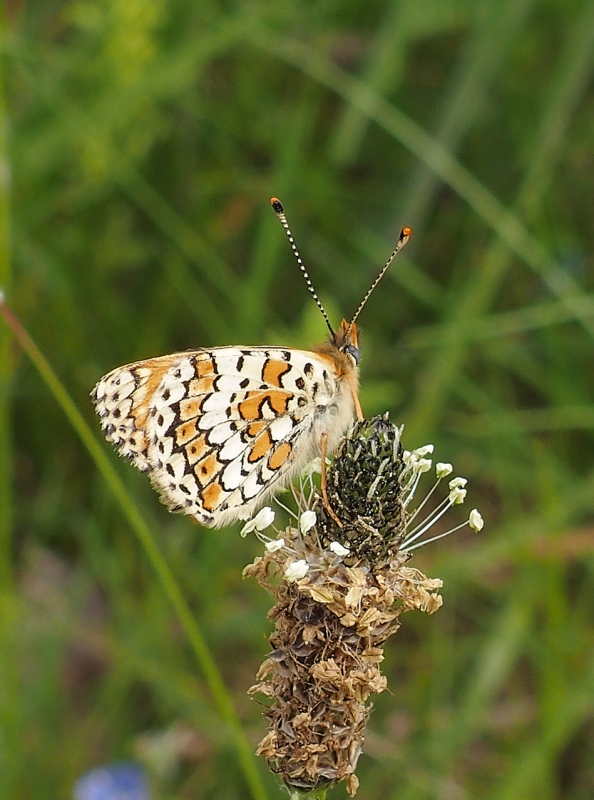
(145, 138)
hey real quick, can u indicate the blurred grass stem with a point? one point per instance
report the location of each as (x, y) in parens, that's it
(169, 585)
(9, 695)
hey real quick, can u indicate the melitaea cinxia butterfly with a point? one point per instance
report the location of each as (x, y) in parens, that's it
(218, 431)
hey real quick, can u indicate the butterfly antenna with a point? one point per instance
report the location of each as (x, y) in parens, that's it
(402, 240)
(278, 209)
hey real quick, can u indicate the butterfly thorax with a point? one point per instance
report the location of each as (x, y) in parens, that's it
(342, 352)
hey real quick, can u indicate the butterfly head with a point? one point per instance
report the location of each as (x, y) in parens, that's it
(342, 349)
(346, 340)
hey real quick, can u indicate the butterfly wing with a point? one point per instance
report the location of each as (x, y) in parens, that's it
(220, 430)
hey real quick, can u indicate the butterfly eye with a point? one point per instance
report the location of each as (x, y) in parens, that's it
(354, 352)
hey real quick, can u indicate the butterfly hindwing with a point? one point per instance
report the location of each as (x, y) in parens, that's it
(123, 402)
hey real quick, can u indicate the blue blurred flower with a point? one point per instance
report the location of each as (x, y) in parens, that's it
(117, 781)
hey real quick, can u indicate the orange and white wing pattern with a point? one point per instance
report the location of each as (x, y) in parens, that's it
(219, 430)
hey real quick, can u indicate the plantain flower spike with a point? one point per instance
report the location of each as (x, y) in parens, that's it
(340, 581)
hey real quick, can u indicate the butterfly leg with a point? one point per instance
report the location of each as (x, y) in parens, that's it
(358, 409)
(323, 482)
(355, 393)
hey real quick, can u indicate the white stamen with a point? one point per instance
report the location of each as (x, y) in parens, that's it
(409, 490)
(434, 538)
(314, 467)
(475, 520)
(421, 452)
(443, 469)
(274, 545)
(457, 495)
(296, 570)
(427, 523)
(307, 521)
(419, 508)
(457, 483)
(263, 519)
(289, 511)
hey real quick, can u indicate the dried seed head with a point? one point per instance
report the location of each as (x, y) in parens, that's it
(330, 626)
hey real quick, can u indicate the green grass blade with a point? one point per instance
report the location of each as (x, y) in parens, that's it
(6, 369)
(9, 695)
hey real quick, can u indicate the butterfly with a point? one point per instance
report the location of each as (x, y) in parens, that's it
(220, 430)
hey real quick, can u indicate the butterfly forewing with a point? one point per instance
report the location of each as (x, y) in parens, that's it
(220, 430)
